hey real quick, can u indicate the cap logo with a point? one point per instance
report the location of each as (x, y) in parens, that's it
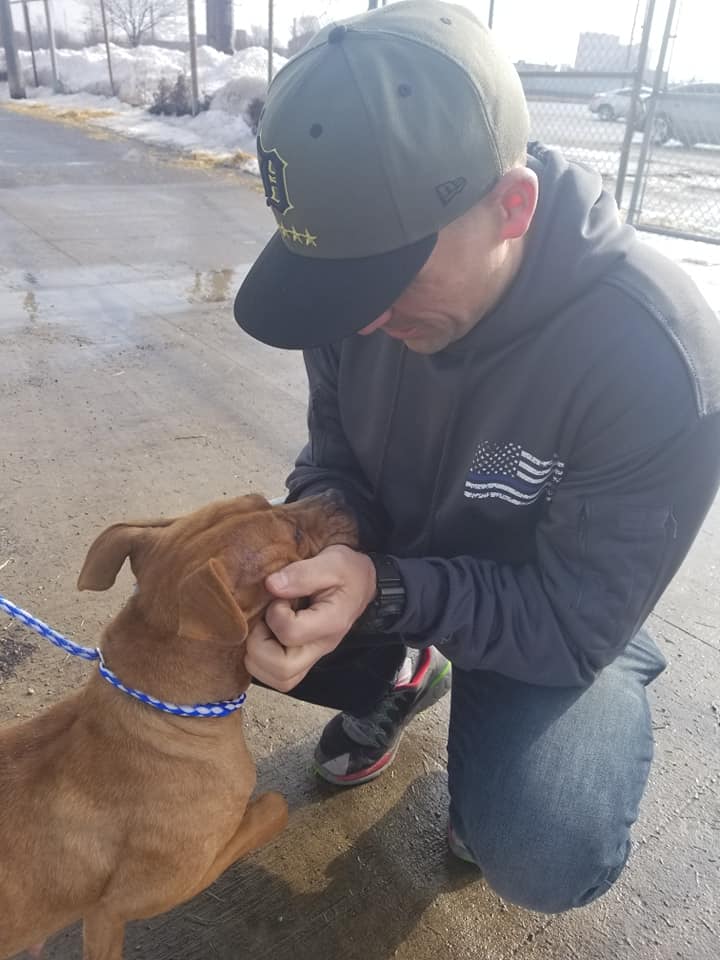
(272, 171)
(450, 189)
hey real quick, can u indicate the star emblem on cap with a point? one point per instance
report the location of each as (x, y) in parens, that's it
(291, 233)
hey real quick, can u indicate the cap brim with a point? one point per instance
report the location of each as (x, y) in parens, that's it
(297, 302)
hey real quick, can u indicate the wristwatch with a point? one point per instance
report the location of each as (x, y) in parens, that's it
(385, 609)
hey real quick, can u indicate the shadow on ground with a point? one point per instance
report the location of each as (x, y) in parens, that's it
(292, 900)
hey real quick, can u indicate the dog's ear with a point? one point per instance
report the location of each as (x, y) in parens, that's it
(208, 609)
(110, 550)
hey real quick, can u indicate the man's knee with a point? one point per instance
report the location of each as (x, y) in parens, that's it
(545, 866)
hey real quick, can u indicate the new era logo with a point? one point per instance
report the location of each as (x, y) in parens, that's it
(450, 189)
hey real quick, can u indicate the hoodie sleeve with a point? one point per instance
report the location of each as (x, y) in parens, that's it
(327, 461)
(606, 547)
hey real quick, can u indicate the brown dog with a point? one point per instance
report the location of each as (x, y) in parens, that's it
(110, 810)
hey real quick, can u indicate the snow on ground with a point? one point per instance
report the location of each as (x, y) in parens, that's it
(222, 131)
(214, 134)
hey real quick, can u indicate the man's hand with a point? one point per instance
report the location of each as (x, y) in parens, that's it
(339, 583)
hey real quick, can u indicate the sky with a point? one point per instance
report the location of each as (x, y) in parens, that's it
(539, 31)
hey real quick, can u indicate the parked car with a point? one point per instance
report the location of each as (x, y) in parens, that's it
(688, 112)
(615, 104)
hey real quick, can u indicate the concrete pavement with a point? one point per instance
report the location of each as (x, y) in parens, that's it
(127, 390)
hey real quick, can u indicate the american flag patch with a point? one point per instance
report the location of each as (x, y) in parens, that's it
(505, 471)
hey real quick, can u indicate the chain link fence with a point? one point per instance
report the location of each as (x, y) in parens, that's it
(644, 111)
(680, 183)
(678, 186)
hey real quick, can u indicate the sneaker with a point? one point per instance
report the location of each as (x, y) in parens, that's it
(457, 847)
(355, 750)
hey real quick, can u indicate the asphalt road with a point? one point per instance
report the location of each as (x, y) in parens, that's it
(128, 391)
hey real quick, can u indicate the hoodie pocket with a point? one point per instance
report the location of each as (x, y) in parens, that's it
(622, 549)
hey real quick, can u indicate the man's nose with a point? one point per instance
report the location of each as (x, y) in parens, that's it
(377, 323)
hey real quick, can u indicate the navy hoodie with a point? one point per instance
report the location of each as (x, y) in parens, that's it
(540, 480)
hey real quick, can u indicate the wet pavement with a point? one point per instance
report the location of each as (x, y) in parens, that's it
(128, 391)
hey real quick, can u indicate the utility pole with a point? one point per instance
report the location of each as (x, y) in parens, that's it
(15, 81)
(51, 45)
(491, 13)
(107, 46)
(192, 32)
(28, 31)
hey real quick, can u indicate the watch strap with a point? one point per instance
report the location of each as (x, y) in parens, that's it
(389, 602)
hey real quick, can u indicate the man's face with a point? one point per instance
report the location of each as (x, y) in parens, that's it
(470, 268)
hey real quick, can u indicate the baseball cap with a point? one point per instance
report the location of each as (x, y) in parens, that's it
(384, 129)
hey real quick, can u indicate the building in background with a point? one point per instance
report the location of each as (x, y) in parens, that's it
(219, 19)
(603, 51)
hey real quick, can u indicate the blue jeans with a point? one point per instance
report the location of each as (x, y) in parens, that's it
(545, 782)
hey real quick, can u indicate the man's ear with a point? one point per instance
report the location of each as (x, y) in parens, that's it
(110, 550)
(516, 194)
(207, 608)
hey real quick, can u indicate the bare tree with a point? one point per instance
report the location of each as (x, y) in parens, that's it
(303, 30)
(258, 35)
(137, 19)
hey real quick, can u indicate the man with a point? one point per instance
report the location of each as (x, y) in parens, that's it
(520, 403)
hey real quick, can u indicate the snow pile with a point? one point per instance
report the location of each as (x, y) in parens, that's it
(232, 81)
(217, 70)
(212, 132)
(137, 72)
(234, 96)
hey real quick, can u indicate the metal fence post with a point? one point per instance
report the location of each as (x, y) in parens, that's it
(15, 81)
(633, 112)
(28, 30)
(633, 207)
(51, 46)
(194, 91)
(107, 46)
(491, 14)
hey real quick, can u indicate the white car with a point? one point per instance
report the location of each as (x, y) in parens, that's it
(614, 104)
(688, 112)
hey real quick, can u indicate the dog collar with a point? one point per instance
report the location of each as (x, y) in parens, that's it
(219, 708)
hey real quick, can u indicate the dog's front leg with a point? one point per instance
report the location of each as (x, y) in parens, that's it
(103, 936)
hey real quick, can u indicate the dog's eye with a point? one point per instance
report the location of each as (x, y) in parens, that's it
(298, 536)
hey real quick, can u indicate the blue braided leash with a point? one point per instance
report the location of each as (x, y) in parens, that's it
(222, 708)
